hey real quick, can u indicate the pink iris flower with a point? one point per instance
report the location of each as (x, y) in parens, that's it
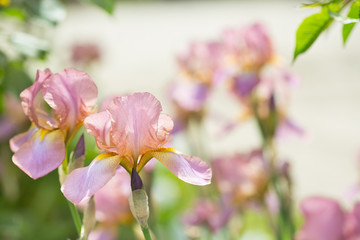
(248, 48)
(132, 130)
(326, 220)
(201, 63)
(242, 177)
(56, 104)
(214, 215)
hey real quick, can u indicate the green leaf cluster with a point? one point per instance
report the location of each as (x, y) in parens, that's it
(312, 27)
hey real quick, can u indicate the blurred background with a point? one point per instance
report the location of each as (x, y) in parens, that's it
(134, 50)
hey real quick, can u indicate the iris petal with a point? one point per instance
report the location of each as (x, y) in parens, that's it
(190, 169)
(84, 182)
(42, 153)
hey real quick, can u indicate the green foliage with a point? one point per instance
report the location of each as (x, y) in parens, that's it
(310, 29)
(107, 5)
(354, 13)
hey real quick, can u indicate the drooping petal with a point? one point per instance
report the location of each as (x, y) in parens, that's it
(33, 104)
(190, 169)
(84, 182)
(324, 219)
(42, 153)
(98, 125)
(17, 141)
(72, 94)
(136, 124)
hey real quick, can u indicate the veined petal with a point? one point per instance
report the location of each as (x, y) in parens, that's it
(72, 94)
(42, 153)
(84, 182)
(190, 169)
(17, 141)
(98, 125)
(137, 124)
(32, 102)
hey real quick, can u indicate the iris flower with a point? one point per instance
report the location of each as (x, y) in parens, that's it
(56, 104)
(326, 220)
(131, 131)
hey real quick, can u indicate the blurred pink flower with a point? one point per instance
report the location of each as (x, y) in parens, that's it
(112, 206)
(132, 131)
(243, 177)
(189, 96)
(326, 220)
(85, 53)
(247, 48)
(199, 71)
(112, 200)
(213, 215)
(201, 63)
(56, 104)
(352, 224)
(103, 233)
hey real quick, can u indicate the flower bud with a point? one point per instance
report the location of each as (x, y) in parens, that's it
(136, 182)
(138, 200)
(139, 206)
(77, 157)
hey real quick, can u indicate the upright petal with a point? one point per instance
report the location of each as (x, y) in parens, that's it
(99, 125)
(84, 182)
(324, 219)
(32, 102)
(42, 153)
(136, 124)
(72, 94)
(187, 168)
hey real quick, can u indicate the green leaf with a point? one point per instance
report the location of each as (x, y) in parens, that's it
(15, 12)
(310, 29)
(354, 13)
(107, 5)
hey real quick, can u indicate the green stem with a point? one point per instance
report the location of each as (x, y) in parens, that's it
(146, 233)
(76, 217)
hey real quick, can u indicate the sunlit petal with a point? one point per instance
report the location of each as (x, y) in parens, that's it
(41, 154)
(84, 182)
(190, 169)
(98, 125)
(72, 94)
(136, 127)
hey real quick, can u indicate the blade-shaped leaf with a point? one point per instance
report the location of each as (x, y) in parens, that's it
(354, 13)
(310, 29)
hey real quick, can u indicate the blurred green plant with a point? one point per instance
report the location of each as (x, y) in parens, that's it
(312, 27)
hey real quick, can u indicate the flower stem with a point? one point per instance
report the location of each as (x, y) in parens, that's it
(146, 233)
(75, 216)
